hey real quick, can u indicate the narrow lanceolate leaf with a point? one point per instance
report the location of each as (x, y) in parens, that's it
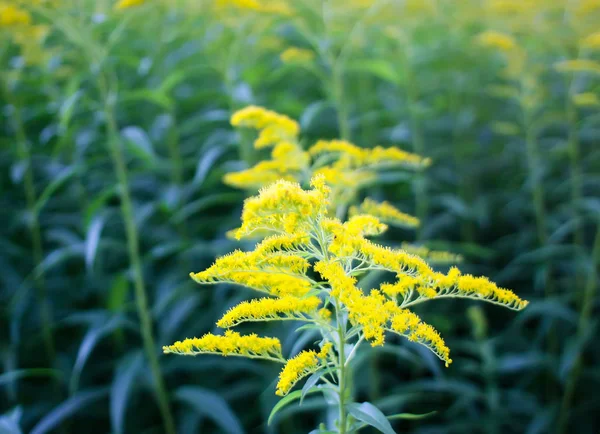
(127, 372)
(67, 409)
(293, 396)
(371, 415)
(212, 406)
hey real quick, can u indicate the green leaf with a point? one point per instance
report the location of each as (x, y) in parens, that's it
(126, 373)
(295, 395)
(92, 240)
(411, 416)
(68, 408)
(139, 144)
(377, 67)
(211, 405)
(10, 376)
(312, 380)
(371, 415)
(56, 183)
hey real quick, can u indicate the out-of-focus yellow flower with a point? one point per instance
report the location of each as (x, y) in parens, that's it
(494, 39)
(586, 99)
(386, 212)
(591, 42)
(126, 4)
(297, 55)
(578, 65)
(588, 6)
(11, 15)
(242, 4)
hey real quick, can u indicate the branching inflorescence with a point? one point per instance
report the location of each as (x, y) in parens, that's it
(309, 260)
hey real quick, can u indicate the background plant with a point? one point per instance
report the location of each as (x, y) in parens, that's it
(403, 70)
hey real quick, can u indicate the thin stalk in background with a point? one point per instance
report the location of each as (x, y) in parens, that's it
(136, 262)
(24, 155)
(541, 225)
(538, 194)
(576, 184)
(418, 145)
(584, 322)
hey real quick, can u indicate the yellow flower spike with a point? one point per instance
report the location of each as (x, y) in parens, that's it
(407, 323)
(282, 207)
(591, 42)
(305, 363)
(324, 313)
(231, 344)
(268, 309)
(365, 225)
(386, 212)
(276, 127)
(578, 65)
(493, 39)
(364, 157)
(586, 99)
(127, 4)
(11, 15)
(433, 256)
(402, 287)
(297, 55)
(326, 349)
(275, 275)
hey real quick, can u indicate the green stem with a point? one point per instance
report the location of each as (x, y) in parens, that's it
(584, 319)
(342, 371)
(533, 162)
(576, 183)
(136, 264)
(341, 107)
(24, 155)
(418, 144)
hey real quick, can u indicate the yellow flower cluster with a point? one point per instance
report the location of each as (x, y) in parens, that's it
(11, 15)
(435, 256)
(377, 313)
(578, 65)
(385, 212)
(586, 99)
(354, 156)
(284, 207)
(345, 167)
(591, 42)
(274, 274)
(407, 323)
(127, 4)
(301, 238)
(265, 309)
(231, 344)
(298, 367)
(273, 127)
(27, 36)
(493, 39)
(297, 55)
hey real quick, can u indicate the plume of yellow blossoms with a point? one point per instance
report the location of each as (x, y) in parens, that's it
(301, 241)
(17, 22)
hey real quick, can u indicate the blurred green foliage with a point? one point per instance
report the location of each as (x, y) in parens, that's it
(114, 139)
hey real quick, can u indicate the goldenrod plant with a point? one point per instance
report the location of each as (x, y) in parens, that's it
(478, 117)
(309, 266)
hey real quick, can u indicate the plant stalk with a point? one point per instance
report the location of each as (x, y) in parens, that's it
(136, 264)
(584, 319)
(342, 372)
(24, 155)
